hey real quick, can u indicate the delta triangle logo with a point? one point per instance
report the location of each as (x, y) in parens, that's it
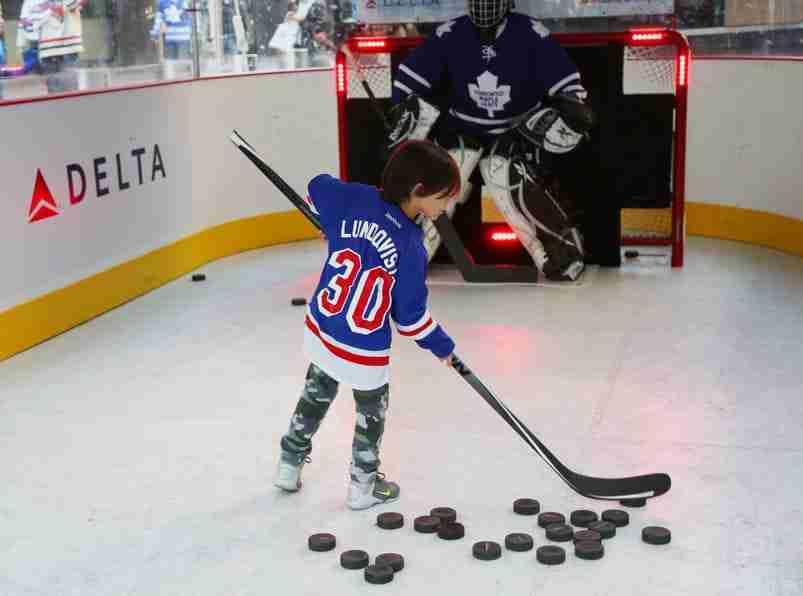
(43, 205)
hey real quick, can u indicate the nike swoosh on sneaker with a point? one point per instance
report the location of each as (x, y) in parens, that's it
(384, 493)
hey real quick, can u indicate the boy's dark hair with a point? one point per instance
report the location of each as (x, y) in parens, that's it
(419, 162)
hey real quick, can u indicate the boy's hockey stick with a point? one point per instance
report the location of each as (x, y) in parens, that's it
(634, 487)
(649, 485)
(277, 180)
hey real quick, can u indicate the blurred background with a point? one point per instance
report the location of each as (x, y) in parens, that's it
(56, 46)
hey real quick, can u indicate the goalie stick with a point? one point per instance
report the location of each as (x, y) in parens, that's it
(645, 486)
(374, 102)
(355, 63)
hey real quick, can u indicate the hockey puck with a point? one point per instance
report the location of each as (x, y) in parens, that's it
(298, 301)
(589, 550)
(198, 277)
(447, 515)
(378, 574)
(426, 524)
(617, 517)
(631, 254)
(656, 535)
(354, 559)
(640, 502)
(550, 555)
(486, 550)
(519, 542)
(526, 506)
(390, 520)
(604, 528)
(587, 536)
(548, 518)
(583, 517)
(320, 543)
(453, 531)
(393, 560)
(559, 532)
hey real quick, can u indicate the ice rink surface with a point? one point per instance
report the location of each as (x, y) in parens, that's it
(138, 450)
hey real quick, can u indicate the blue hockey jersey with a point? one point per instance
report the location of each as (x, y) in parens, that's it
(375, 271)
(485, 87)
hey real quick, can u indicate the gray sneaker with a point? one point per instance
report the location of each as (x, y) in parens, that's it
(371, 490)
(288, 475)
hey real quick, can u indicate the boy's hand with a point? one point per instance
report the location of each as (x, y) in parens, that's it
(447, 360)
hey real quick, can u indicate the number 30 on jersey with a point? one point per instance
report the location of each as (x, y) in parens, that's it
(373, 289)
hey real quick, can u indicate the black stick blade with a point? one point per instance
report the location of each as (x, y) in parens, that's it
(645, 486)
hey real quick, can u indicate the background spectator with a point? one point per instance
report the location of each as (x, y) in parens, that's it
(60, 43)
(2, 45)
(2, 37)
(173, 24)
(30, 22)
(229, 12)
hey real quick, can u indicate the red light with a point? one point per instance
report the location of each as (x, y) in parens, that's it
(504, 237)
(340, 75)
(647, 36)
(683, 69)
(372, 44)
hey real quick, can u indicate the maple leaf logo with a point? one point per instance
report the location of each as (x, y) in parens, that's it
(488, 95)
(444, 29)
(173, 14)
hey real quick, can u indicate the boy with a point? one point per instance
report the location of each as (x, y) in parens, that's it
(376, 267)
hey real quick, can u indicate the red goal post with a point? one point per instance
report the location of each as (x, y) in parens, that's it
(655, 62)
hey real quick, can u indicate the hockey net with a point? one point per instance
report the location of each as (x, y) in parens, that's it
(655, 63)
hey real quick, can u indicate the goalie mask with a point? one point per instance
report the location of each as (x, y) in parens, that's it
(486, 14)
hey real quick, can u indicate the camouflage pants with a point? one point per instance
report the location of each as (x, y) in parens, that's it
(319, 392)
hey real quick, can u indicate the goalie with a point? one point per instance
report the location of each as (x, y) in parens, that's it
(508, 98)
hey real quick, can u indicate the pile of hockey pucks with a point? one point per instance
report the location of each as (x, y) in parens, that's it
(585, 529)
(441, 520)
(382, 571)
(385, 566)
(592, 530)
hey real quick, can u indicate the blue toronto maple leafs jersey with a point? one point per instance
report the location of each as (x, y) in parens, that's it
(487, 86)
(375, 271)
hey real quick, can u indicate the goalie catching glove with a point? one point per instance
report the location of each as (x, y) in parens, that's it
(558, 127)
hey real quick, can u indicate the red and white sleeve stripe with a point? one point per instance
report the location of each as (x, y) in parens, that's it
(420, 329)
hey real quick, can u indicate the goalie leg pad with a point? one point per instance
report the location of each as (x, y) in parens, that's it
(534, 213)
(466, 154)
(412, 120)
